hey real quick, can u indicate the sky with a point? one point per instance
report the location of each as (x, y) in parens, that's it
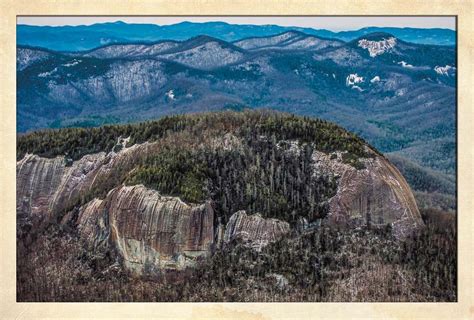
(316, 22)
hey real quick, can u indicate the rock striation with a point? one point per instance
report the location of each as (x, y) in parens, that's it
(254, 230)
(46, 186)
(148, 231)
(376, 195)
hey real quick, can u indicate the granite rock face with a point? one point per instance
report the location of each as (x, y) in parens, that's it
(149, 231)
(46, 186)
(376, 195)
(146, 229)
(254, 230)
(37, 181)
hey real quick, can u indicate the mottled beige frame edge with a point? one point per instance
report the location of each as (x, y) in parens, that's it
(9, 308)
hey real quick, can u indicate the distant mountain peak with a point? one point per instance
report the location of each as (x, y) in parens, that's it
(295, 33)
(201, 40)
(376, 36)
(87, 37)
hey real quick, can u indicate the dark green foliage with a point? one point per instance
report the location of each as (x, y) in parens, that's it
(72, 142)
(353, 160)
(173, 172)
(260, 175)
(396, 139)
(326, 136)
(76, 142)
(263, 174)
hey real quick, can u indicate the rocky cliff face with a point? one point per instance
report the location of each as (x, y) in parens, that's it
(46, 186)
(146, 229)
(253, 230)
(150, 231)
(376, 196)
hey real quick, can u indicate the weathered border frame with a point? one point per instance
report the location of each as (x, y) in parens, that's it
(9, 308)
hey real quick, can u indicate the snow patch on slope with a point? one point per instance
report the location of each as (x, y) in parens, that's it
(445, 71)
(71, 64)
(353, 78)
(376, 48)
(405, 65)
(375, 79)
(170, 95)
(46, 74)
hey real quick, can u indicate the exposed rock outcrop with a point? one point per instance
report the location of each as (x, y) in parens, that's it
(146, 229)
(253, 230)
(46, 186)
(37, 181)
(376, 195)
(149, 231)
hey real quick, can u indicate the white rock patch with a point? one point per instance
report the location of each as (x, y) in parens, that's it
(170, 94)
(405, 65)
(353, 79)
(71, 64)
(445, 71)
(45, 74)
(376, 48)
(375, 79)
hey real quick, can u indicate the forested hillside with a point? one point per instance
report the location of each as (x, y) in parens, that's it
(399, 96)
(228, 206)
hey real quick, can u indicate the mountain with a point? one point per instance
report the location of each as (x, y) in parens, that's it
(209, 206)
(434, 36)
(397, 95)
(290, 40)
(96, 35)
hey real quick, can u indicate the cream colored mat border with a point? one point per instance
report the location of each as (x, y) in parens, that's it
(9, 309)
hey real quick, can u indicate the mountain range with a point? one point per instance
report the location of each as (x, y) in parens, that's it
(160, 170)
(399, 96)
(88, 37)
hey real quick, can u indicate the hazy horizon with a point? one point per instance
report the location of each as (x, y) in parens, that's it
(315, 22)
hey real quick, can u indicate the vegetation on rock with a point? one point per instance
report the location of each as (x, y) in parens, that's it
(76, 142)
(260, 162)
